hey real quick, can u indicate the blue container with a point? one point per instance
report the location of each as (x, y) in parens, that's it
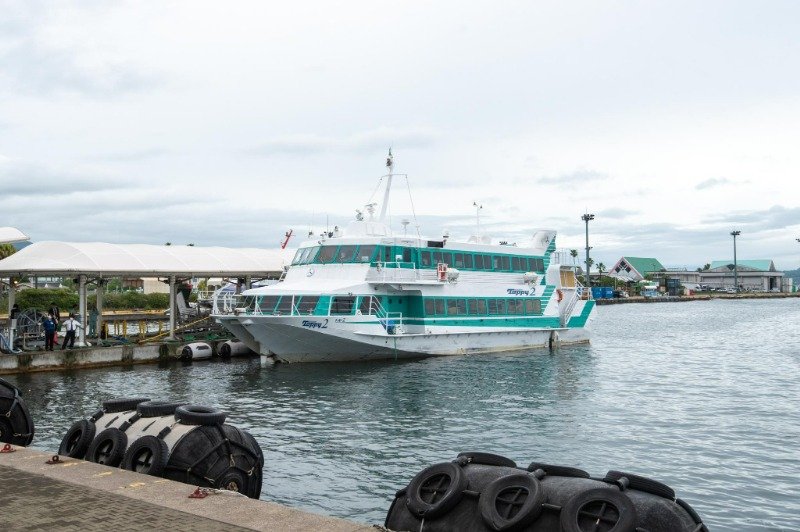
(597, 292)
(608, 292)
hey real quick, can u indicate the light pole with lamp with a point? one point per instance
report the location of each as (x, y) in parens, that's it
(586, 218)
(734, 234)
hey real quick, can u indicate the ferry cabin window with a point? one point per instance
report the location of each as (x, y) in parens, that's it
(311, 254)
(461, 307)
(429, 307)
(515, 306)
(366, 305)
(496, 262)
(533, 306)
(437, 257)
(505, 262)
(458, 260)
(284, 305)
(365, 253)
(451, 307)
(326, 254)
(307, 304)
(439, 306)
(346, 254)
(343, 304)
(473, 306)
(487, 262)
(515, 264)
(387, 254)
(425, 259)
(468, 260)
(267, 304)
(481, 307)
(297, 256)
(478, 262)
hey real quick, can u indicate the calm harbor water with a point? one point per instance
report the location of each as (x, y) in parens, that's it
(703, 396)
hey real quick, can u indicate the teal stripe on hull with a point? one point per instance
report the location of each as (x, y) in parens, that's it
(577, 322)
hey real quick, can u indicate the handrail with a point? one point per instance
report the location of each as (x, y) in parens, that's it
(185, 326)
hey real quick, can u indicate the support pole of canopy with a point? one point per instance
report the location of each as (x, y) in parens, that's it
(82, 310)
(101, 288)
(172, 308)
(248, 282)
(12, 324)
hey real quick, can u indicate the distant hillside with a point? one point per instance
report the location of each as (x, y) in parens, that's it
(794, 274)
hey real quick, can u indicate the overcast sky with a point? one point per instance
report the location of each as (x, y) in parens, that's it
(227, 123)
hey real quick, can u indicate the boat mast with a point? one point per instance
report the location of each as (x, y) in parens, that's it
(385, 204)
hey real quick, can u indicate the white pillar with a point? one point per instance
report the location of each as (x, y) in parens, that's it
(12, 325)
(172, 308)
(101, 287)
(82, 310)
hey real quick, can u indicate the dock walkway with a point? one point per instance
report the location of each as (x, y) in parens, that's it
(79, 495)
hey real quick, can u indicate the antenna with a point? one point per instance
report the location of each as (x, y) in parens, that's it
(385, 204)
(478, 208)
(405, 223)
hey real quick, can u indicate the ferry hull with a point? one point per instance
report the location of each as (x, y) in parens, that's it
(284, 339)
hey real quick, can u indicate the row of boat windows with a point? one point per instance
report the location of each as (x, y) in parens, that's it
(481, 307)
(346, 305)
(421, 258)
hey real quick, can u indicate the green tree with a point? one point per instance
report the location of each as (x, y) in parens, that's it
(574, 254)
(601, 268)
(6, 250)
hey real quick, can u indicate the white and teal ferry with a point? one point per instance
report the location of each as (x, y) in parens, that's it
(362, 293)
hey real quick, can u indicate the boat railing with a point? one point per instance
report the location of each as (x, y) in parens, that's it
(393, 272)
(392, 322)
(574, 297)
(224, 302)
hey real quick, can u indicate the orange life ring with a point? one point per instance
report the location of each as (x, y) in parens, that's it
(560, 294)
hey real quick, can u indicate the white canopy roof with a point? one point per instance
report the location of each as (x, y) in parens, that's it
(99, 259)
(11, 234)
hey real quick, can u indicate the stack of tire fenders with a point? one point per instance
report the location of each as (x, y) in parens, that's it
(186, 443)
(481, 492)
(16, 424)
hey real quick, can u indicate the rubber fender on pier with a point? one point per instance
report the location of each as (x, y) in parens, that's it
(186, 443)
(233, 348)
(16, 424)
(483, 492)
(196, 351)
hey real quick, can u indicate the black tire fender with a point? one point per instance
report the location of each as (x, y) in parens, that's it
(636, 482)
(559, 471)
(436, 490)
(488, 459)
(157, 408)
(77, 439)
(511, 502)
(147, 455)
(585, 510)
(199, 415)
(123, 404)
(234, 480)
(108, 448)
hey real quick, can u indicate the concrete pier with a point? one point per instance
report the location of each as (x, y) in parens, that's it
(83, 496)
(87, 357)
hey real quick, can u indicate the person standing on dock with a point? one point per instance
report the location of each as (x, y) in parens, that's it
(55, 313)
(49, 332)
(71, 325)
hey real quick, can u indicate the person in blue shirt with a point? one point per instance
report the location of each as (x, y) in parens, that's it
(49, 332)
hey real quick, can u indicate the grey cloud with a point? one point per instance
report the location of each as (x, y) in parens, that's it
(616, 213)
(21, 179)
(368, 141)
(31, 68)
(776, 217)
(132, 156)
(578, 176)
(713, 182)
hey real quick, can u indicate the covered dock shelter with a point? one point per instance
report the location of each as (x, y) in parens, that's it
(97, 262)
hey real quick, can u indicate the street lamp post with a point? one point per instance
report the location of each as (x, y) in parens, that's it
(734, 234)
(586, 218)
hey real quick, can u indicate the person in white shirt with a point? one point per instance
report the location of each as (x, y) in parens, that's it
(71, 324)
